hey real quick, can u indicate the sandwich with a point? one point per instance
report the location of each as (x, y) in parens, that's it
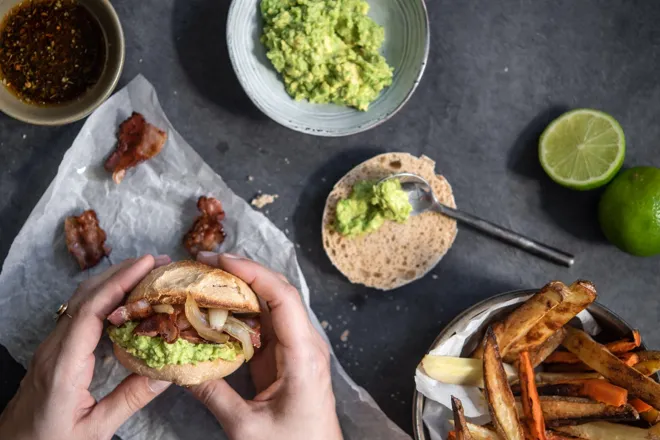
(186, 323)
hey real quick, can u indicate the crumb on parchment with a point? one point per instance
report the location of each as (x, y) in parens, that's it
(263, 199)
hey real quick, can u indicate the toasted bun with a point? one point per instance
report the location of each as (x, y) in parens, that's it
(188, 374)
(396, 254)
(209, 286)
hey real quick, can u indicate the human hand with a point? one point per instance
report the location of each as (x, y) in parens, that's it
(291, 372)
(53, 401)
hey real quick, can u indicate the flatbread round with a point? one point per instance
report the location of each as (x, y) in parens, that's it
(396, 254)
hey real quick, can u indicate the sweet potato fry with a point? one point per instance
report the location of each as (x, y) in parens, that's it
(535, 423)
(647, 368)
(541, 352)
(500, 399)
(608, 431)
(651, 416)
(616, 371)
(460, 425)
(576, 298)
(640, 407)
(560, 411)
(617, 347)
(596, 389)
(519, 322)
(629, 359)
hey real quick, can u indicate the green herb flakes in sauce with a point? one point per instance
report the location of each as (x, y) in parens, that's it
(327, 51)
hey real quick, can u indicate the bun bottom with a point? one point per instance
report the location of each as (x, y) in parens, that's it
(187, 374)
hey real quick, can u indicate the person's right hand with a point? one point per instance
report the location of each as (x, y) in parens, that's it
(291, 372)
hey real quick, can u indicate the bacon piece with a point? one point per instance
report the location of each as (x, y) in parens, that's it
(85, 239)
(207, 231)
(138, 141)
(159, 324)
(255, 325)
(191, 335)
(131, 311)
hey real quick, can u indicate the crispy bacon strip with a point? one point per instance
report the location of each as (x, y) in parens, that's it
(136, 310)
(255, 325)
(191, 335)
(159, 324)
(138, 141)
(85, 239)
(207, 231)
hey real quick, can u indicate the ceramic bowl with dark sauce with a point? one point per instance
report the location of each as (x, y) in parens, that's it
(59, 59)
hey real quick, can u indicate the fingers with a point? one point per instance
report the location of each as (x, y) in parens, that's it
(288, 314)
(222, 400)
(82, 334)
(133, 394)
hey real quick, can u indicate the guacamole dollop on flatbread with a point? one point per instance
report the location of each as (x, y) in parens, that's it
(327, 51)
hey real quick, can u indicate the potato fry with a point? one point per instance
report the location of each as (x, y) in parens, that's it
(648, 355)
(480, 432)
(651, 416)
(541, 352)
(576, 298)
(602, 361)
(596, 389)
(500, 399)
(545, 378)
(519, 322)
(459, 371)
(648, 368)
(630, 359)
(560, 411)
(460, 425)
(608, 431)
(530, 399)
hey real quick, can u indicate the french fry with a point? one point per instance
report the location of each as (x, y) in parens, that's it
(648, 355)
(576, 298)
(519, 322)
(545, 378)
(560, 411)
(617, 347)
(480, 432)
(459, 371)
(640, 406)
(460, 425)
(500, 399)
(648, 368)
(541, 352)
(551, 435)
(651, 416)
(530, 399)
(616, 371)
(630, 359)
(608, 431)
(596, 389)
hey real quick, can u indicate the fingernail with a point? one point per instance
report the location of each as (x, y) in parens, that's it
(162, 260)
(232, 256)
(158, 386)
(207, 257)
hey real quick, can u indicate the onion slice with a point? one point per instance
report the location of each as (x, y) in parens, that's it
(240, 331)
(217, 318)
(163, 308)
(200, 323)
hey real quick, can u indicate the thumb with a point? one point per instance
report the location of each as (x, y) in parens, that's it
(222, 400)
(133, 394)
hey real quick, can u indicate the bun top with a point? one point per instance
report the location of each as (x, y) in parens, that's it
(397, 253)
(209, 286)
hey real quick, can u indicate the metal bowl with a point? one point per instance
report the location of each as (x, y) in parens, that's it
(613, 327)
(77, 109)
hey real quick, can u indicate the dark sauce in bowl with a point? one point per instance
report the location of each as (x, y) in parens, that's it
(51, 51)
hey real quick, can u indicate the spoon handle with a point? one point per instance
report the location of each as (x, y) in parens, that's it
(527, 244)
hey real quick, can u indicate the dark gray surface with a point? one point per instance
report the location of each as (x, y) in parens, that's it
(498, 72)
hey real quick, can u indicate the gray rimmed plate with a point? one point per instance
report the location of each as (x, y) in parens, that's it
(613, 327)
(406, 50)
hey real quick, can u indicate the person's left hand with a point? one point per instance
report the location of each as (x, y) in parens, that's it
(53, 401)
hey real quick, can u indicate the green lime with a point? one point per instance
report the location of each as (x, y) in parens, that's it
(629, 211)
(582, 149)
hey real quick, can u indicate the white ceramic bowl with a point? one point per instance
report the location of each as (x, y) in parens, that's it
(406, 50)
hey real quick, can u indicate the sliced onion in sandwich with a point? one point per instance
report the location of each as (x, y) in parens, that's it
(217, 318)
(200, 323)
(163, 308)
(240, 331)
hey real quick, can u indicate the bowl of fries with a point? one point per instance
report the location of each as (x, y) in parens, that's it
(539, 374)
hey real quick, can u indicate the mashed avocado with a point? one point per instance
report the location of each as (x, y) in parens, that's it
(157, 353)
(326, 50)
(369, 205)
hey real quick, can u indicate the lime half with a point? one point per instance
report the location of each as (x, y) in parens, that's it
(582, 149)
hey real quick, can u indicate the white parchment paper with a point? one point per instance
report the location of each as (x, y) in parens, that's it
(437, 408)
(147, 213)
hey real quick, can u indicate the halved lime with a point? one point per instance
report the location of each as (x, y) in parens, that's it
(582, 149)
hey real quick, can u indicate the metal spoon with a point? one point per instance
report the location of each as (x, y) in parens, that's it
(422, 199)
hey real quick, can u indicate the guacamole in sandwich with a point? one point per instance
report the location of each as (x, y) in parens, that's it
(369, 205)
(327, 51)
